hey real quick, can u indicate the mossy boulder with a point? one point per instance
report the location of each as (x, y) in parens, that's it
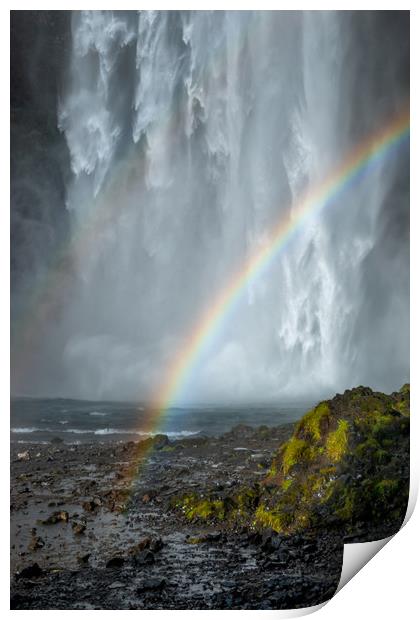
(346, 465)
(235, 509)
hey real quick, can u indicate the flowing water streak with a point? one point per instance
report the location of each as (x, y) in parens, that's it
(191, 135)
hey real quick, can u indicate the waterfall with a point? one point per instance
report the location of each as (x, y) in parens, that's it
(190, 134)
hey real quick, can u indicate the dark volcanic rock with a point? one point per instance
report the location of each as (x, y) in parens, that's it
(215, 510)
(115, 562)
(144, 557)
(19, 601)
(29, 572)
(151, 584)
(153, 544)
(156, 544)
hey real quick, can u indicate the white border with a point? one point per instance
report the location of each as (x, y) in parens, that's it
(387, 586)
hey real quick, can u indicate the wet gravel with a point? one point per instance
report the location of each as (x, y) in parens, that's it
(87, 534)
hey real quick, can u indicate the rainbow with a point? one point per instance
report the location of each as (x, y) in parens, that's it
(371, 151)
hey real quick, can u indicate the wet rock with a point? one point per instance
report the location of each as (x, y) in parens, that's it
(153, 584)
(257, 457)
(18, 601)
(194, 540)
(254, 538)
(116, 585)
(56, 440)
(92, 505)
(115, 499)
(153, 544)
(156, 544)
(144, 543)
(29, 572)
(56, 517)
(242, 430)
(145, 557)
(88, 506)
(115, 562)
(276, 560)
(206, 537)
(160, 441)
(78, 527)
(36, 543)
(83, 559)
(147, 497)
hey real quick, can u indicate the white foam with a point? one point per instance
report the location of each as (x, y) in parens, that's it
(26, 429)
(114, 431)
(182, 434)
(101, 431)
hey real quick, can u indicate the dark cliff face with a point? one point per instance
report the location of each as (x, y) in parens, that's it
(39, 161)
(383, 87)
(39, 46)
(40, 42)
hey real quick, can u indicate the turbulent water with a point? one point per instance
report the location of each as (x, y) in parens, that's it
(77, 421)
(185, 137)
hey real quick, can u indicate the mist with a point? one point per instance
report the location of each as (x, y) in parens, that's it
(153, 153)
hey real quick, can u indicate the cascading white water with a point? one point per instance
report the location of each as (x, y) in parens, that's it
(190, 136)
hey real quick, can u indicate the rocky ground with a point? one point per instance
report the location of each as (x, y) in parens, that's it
(254, 519)
(85, 536)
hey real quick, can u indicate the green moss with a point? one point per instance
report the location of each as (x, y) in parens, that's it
(297, 451)
(195, 540)
(339, 464)
(236, 508)
(328, 471)
(273, 471)
(346, 506)
(366, 447)
(286, 484)
(293, 452)
(403, 405)
(386, 489)
(195, 507)
(247, 498)
(381, 424)
(315, 483)
(336, 443)
(382, 456)
(372, 404)
(311, 422)
(273, 518)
